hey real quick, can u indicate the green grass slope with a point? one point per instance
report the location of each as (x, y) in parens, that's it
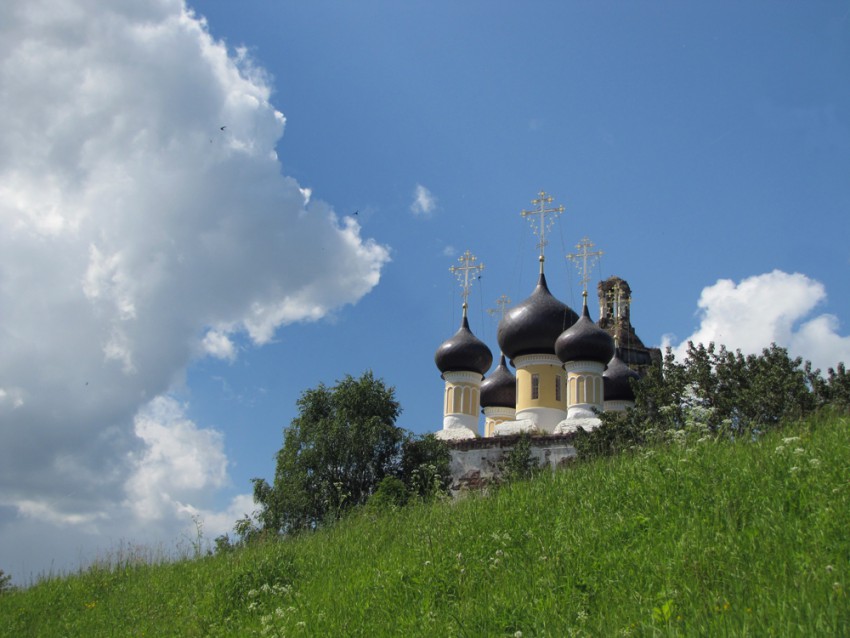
(702, 538)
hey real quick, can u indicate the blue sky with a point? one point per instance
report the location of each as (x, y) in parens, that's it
(168, 287)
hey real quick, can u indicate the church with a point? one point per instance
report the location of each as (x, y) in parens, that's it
(568, 368)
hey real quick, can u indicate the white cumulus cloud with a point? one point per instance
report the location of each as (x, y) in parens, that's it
(774, 307)
(424, 202)
(144, 221)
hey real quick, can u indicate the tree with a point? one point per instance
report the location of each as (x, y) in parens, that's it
(424, 466)
(5, 582)
(715, 391)
(341, 445)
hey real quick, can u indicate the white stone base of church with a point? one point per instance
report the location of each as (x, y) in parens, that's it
(458, 433)
(510, 428)
(568, 426)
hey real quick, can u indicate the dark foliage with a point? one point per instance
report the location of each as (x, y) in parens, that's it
(391, 493)
(714, 392)
(518, 463)
(425, 466)
(342, 444)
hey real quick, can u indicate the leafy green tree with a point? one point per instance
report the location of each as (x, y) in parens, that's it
(714, 391)
(341, 445)
(836, 387)
(425, 466)
(391, 493)
(5, 582)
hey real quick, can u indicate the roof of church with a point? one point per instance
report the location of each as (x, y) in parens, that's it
(499, 388)
(463, 352)
(532, 326)
(585, 341)
(616, 380)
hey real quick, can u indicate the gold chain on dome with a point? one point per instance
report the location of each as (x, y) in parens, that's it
(468, 267)
(544, 223)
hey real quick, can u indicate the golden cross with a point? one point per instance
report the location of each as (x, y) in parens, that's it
(543, 224)
(503, 304)
(462, 272)
(585, 261)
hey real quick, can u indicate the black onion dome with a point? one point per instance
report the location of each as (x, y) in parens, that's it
(532, 326)
(463, 352)
(585, 341)
(615, 380)
(499, 389)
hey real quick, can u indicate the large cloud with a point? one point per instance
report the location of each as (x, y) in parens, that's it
(144, 220)
(775, 307)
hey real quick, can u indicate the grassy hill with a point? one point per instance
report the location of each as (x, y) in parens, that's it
(701, 538)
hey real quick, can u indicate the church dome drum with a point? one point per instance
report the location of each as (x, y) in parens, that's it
(463, 352)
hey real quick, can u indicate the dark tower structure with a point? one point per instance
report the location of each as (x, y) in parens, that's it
(615, 298)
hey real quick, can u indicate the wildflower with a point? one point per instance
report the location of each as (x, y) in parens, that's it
(427, 562)
(459, 556)
(499, 552)
(779, 449)
(799, 450)
(253, 593)
(517, 634)
(266, 588)
(790, 439)
(795, 469)
(836, 586)
(279, 612)
(829, 568)
(301, 624)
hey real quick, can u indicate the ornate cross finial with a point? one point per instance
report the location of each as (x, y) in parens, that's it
(542, 224)
(468, 267)
(503, 303)
(584, 260)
